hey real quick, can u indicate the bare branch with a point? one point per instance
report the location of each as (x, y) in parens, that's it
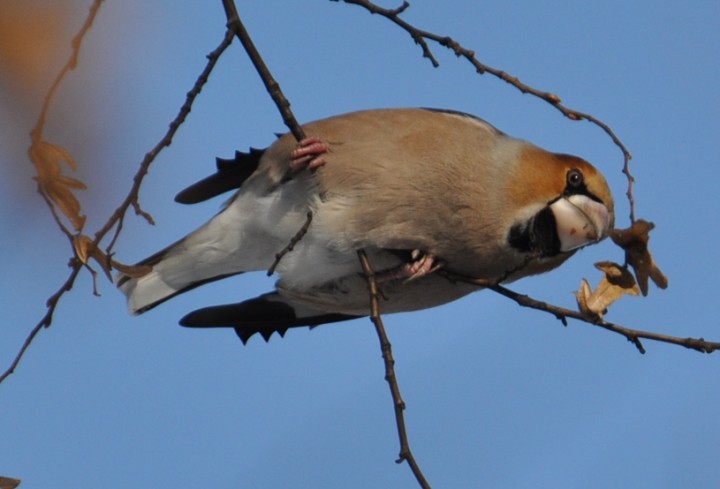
(36, 137)
(132, 199)
(295, 240)
(273, 87)
(632, 335)
(46, 320)
(76, 43)
(420, 36)
(236, 26)
(390, 377)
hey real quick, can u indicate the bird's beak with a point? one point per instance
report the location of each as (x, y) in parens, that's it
(580, 221)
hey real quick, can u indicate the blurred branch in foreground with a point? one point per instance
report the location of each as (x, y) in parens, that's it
(83, 246)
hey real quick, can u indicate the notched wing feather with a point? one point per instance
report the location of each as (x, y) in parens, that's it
(230, 175)
(267, 314)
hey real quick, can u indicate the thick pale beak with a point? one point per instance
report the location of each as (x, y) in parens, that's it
(580, 221)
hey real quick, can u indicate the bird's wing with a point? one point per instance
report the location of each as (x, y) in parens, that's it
(230, 175)
(267, 314)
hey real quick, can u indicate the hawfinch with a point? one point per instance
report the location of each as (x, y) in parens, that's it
(417, 189)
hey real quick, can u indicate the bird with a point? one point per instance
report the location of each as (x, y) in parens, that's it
(425, 193)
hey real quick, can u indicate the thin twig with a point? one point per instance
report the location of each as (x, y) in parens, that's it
(235, 25)
(36, 136)
(132, 197)
(273, 87)
(76, 43)
(390, 377)
(632, 335)
(46, 320)
(36, 133)
(420, 36)
(293, 241)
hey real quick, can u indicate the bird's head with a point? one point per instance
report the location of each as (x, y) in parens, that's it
(565, 204)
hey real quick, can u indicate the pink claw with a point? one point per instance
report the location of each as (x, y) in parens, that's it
(422, 264)
(308, 154)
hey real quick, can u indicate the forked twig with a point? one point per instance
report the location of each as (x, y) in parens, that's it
(421, 37)
(133, 195)
(632, 335)
(283, 106)
(390, 377)
(116, 219)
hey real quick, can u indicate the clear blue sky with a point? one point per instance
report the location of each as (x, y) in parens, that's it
(498, 396)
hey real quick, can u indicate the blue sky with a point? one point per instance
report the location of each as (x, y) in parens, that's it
(498, 396)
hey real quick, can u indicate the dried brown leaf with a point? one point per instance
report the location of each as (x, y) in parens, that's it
(66, 202)
(132, 271)
(48, 159)
(9, 483)
(82, 245)
(583, 296)
(616, 282)
(86, 249)
(634, 241)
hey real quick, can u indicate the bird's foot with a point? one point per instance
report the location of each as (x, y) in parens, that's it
(422, 264)
(308, 154)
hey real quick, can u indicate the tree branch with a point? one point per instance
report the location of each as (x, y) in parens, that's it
(421, 37)
(132, 198)
(283, 105)
(45, 321)
(273, 87)
(235, 25)
(390, 377)
(293, 241)
(76, 43)
(632, 335)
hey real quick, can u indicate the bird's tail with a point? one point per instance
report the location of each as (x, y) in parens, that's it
(211, 253)
(152, 288)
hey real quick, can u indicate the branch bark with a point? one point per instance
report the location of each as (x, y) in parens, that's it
(390, 377)
(131, 200)
(273, 87)
(632, 335)
(421, 37)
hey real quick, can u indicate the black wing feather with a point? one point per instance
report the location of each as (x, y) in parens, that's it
(266, 314)
(230, 175)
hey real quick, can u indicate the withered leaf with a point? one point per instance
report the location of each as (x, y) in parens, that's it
(8, 483)
(48, 159)
(132, 271)
(82, 245)
(634, 241)
(85, 249)
(616, 282)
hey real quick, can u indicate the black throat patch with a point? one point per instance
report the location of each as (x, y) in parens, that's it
(538, 235)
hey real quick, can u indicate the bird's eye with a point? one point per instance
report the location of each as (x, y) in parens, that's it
(575, 178)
